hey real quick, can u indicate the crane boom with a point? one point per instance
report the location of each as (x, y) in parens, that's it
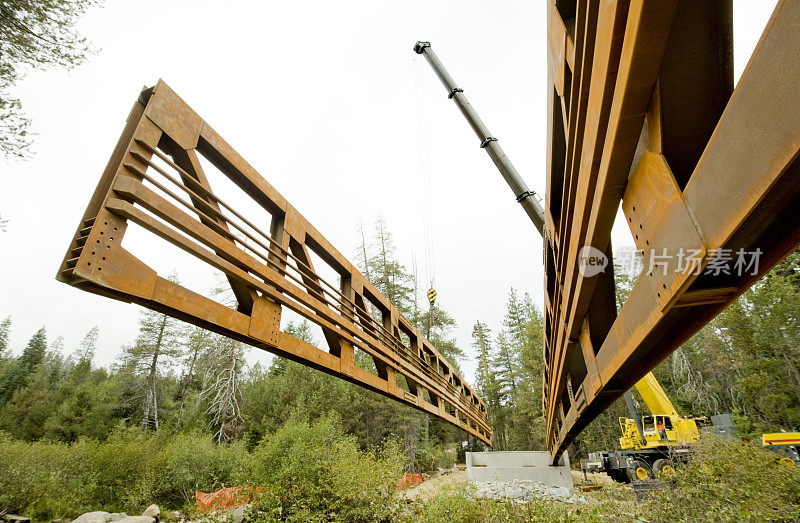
(654, 396)
(525, 196)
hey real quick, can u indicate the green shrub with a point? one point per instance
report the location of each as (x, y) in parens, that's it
(314, 472)
(34, 480)
(431, 456)
(305, 472)
(728, 480)
(127, 472)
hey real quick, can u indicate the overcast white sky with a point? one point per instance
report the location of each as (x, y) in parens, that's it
(328, 101)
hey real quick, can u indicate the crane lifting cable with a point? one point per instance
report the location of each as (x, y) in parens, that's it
(425, 183)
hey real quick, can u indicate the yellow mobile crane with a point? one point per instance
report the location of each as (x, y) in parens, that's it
(651, 444)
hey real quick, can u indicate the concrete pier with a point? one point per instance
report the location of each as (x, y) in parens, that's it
(484, 467)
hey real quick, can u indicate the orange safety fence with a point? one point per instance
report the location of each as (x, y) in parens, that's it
(409, 480)
(225, 498)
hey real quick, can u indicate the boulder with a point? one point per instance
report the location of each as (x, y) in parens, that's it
(237, 515)
(516, 493)
(152, 511)
(137, 519)
(98, 516)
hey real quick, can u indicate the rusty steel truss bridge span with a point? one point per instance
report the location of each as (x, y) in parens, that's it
(157, 181)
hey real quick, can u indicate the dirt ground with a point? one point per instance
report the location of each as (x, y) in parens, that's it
(594, 477)
(436, 482)
(458, 476)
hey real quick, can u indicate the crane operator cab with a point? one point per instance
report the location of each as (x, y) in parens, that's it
(659, 431)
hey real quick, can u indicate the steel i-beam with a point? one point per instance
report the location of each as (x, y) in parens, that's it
(642, 113)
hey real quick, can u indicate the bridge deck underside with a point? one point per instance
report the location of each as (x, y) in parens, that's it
(643, 117)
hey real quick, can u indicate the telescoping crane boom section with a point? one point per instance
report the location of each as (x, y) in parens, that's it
(654, 396)
(525, 196)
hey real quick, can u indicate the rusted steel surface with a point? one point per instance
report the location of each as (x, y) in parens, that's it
(642, 115)
(155, 180)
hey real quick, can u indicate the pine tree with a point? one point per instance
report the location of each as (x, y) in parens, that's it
(505, 363)
(482, 344)
(87, 404)
(378, 417)
(518, 312)
(388, 274)
(159, 342)
(34, 35)
(487, 381)
(25, 413)
(34, 352)
(362, 257)
(437, 325)
(56, 364)
(513, 390)
(32, 356)
(199, 342)
(88, 345)
(5, 331)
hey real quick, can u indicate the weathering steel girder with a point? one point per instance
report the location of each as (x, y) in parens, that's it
(266, 270)
(689, 176)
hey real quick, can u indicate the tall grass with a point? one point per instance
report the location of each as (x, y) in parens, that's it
(729, 480)
(315, 472)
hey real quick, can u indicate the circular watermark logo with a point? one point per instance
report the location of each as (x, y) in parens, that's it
(591, 261)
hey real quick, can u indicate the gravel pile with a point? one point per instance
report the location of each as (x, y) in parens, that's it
(523, 491)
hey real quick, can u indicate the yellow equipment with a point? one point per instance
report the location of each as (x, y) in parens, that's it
(432, 296)
(785, 444)
(644, 433)
(651, 444)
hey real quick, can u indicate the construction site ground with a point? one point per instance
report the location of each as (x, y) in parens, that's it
(457, 477)
(437, 481)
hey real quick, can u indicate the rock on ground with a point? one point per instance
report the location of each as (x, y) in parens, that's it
(117, 517)
(93, 517)
(150, 515)
(152, 511)
(525, 491)
(15, 518)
